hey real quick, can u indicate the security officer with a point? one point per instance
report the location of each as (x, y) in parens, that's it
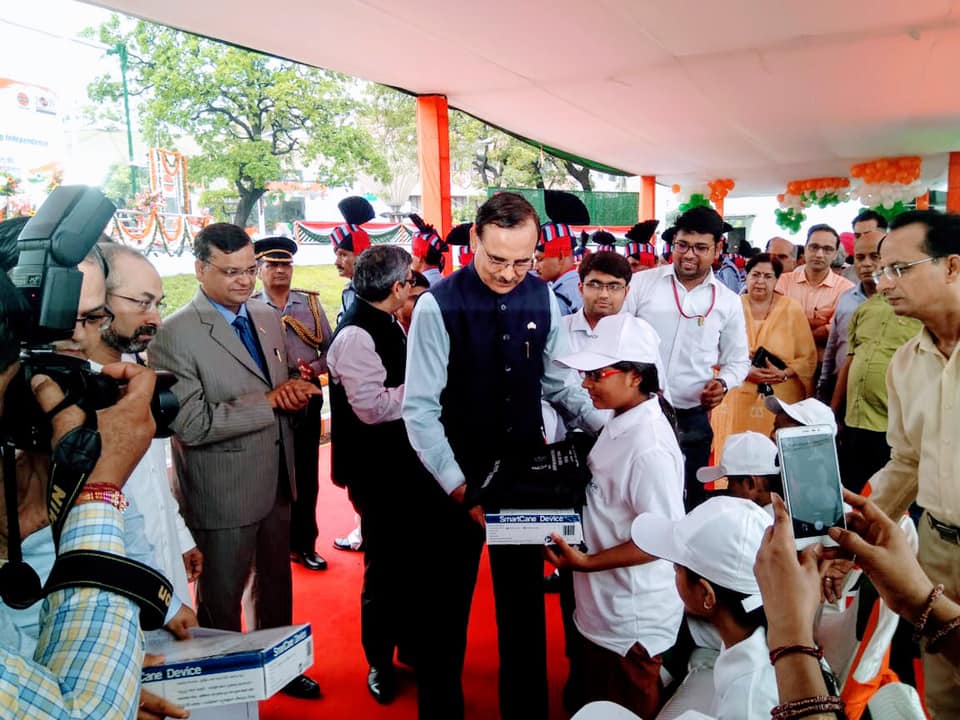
(308, 337)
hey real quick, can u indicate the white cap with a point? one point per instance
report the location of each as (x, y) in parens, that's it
(718, 540)
(619, 338)
(748, 453)
(806, 412)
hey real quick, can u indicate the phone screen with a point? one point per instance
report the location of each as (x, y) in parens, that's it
(811, 479)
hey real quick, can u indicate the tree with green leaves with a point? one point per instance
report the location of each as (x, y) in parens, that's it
(255, 118)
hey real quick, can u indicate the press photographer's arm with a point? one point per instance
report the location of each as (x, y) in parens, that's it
(88, 658)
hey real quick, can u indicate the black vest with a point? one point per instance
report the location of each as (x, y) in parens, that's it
(364, 457)
(491, 404)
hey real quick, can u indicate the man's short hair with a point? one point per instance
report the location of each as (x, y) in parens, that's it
(377, 270)
(867, 215)
(609, 263)
(111, 251)
(225, 237)
(823, 227)
(506, 210)
(942, 236)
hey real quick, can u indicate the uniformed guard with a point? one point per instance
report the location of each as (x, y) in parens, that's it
(667, 237)
(640, 250)
(428, 250)
(308, 336)
(554, 251)
(605, 241)
(349, 241)
(460, 236)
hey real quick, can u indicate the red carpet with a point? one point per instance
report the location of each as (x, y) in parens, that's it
(330, 601)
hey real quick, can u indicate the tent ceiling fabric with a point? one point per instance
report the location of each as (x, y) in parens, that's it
(762, 91)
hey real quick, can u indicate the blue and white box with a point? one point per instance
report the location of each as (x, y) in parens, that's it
(216, 667)
(533, 527)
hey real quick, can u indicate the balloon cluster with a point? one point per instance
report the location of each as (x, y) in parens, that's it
(888, 184)
(801, 194)
(702, 195)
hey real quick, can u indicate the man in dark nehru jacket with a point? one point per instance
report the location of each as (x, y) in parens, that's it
(307, 337)
(480, 356)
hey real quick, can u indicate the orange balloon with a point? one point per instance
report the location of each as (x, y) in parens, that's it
(780, 197)
(675, 188)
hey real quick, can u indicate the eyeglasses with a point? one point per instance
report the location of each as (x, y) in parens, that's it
(144, 305)
(825, 249)
(598, 286)
(410, 281)
(681, 248)
(598, 375)
(232, 273)
(895, 272)
(518, 266)
(104, 318)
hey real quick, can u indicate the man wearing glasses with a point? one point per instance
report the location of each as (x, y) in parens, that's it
(480, 356)
(814, 286)
(920, 277)
(701, 327)
(233, 444)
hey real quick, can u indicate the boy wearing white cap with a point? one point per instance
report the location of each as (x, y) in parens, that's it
(806, 412)
(713, 550)
(628, 610)
(749, 462)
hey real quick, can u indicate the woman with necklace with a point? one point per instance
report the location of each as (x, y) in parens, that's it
(787, 358)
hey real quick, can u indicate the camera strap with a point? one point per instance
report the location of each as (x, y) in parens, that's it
(73, 460)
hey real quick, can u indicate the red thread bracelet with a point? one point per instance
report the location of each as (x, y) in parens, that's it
(922, 623)
(785, 650)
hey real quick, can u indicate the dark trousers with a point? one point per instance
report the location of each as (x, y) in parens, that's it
(385, 608)
(229, 556)
(696, 437)
(306, 443)
(864, 452)
(632, 681)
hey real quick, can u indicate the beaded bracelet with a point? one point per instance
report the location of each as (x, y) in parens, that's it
(101, 492)
(922, 623)
(941, 634)
(785, 650)
(808, 706)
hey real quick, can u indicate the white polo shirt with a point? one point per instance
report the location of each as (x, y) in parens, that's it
(744, 680)
(689, 349)
(637, 467)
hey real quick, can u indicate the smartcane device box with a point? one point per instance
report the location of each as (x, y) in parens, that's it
(215, 667)
(533, 527)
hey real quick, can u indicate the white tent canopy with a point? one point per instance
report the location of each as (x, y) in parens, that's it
(761, 91)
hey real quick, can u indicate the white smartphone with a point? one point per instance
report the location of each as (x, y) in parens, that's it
(811, 482)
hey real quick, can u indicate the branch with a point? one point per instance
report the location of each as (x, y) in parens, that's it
(233, 118)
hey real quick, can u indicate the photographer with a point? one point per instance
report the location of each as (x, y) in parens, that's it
(87, 661)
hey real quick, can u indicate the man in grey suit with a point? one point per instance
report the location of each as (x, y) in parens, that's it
(233, 447)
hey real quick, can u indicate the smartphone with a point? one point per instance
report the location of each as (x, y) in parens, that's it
(811, 482)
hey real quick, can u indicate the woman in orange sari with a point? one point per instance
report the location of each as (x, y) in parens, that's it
(778, 325)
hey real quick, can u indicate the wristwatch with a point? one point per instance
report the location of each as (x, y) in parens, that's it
(724, 384)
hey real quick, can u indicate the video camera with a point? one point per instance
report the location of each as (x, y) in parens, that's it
(51, 245)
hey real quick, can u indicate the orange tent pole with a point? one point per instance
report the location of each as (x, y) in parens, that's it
(648, 198)
(953, 183)
(433, 151)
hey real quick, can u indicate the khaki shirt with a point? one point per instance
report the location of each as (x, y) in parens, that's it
(923, 389)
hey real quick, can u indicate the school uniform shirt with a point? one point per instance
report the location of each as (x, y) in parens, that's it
(637, 467)
(744, 681)
(567, 289)
(689, 350)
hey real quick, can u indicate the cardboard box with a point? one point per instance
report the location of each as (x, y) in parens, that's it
(533, 527)
(216, 667)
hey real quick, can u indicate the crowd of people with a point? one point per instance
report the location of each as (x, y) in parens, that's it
(660, 363)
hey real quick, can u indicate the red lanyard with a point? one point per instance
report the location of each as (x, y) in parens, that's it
(701, 319)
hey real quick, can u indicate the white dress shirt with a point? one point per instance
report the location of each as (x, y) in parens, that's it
(354, 363)
(744, 680)
(689, 350)
(637, 468)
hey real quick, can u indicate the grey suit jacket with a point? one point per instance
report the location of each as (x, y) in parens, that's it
(227, 438)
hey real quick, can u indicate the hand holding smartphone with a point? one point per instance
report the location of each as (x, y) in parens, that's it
(811, 482)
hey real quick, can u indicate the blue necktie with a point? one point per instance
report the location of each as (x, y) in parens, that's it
(241, 326)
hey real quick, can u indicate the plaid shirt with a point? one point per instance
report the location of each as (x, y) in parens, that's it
(87, 663)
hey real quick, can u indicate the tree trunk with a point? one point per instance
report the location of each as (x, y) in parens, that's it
(248, 200)
(579, 173)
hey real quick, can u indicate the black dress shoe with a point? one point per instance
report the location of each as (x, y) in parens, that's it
(302, 687)
(382, 684)
(551, 583)
(310, 560)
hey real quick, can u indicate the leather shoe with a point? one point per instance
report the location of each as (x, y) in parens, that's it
(344, 544)
(551, 583)
(310, 560)
(302, 687)
(382, 684)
